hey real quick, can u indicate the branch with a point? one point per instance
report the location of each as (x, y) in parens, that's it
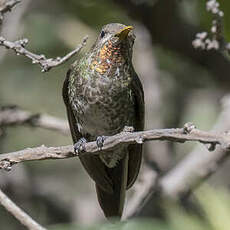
(18, 213)
(46, 64)
(188, 133)
(13, 115)
(199, 164)
(187, 174)
(7, 6)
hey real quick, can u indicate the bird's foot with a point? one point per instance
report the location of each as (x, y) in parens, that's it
(79, 146)
(100, 141)
(128, 129)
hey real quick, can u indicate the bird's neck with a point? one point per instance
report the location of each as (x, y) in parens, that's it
(109, 58)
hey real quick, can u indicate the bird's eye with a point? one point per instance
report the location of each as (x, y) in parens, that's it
(102, 33)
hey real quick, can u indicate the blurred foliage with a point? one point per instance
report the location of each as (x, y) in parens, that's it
(101, 12)
(195, 13)
(205, 18)
(214, 205)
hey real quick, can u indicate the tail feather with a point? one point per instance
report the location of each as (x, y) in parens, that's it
(113, 204)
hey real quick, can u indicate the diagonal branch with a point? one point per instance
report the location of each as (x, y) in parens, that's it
(13, 115)
(18, 213)
(182, 179)
(46, 64)
(6, 6)
(188, 133)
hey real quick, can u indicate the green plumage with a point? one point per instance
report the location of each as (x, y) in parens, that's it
(103, 94)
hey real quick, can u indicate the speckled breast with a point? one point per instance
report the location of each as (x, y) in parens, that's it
(101, 96)
(102, 105)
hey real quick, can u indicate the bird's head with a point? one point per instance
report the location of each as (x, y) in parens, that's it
(117, 34)
(113, 46)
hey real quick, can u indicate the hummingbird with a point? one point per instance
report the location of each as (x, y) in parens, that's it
(103, 94)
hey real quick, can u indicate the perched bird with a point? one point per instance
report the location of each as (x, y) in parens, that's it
(103, 94)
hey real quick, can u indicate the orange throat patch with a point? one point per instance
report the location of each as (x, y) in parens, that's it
(106, 58)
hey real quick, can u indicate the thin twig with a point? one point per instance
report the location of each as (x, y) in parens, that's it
(6, 6)
(215, 38)
(13, 115)
(18, 213)
(11, 25)
(46, 64)
(177, 135)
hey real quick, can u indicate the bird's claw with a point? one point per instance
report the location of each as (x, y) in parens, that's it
(100, 141)
(79, 146)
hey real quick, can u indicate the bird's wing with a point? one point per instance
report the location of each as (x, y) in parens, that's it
(72, 121)
(91, 163)
(135, 150)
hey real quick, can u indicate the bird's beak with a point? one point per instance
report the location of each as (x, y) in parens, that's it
(124, 32)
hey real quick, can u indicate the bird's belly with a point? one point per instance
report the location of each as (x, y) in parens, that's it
(95, 122)
(103, 109)
(106, 119)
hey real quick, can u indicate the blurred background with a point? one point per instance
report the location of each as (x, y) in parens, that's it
(181, 84)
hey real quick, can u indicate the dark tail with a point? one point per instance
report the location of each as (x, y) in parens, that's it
(112, 203)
